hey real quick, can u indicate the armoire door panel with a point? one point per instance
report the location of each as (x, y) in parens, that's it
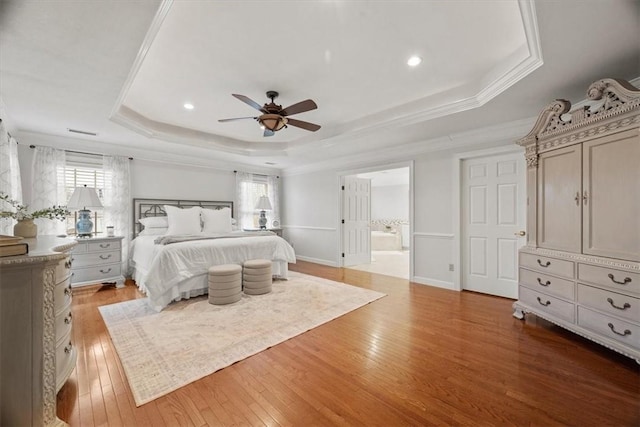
(559, 199)
(611, 196)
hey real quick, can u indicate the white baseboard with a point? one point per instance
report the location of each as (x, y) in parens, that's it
(434, 282)
(317, 260)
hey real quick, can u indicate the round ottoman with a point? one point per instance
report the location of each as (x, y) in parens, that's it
(225, 284)
(256, 276)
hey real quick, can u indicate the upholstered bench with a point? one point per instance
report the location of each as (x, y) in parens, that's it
(225, 284)
(256, 276)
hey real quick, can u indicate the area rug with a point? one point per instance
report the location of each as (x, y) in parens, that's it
(190, 339)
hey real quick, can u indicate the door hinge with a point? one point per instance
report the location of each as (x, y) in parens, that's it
(342, 254)
(343, 221)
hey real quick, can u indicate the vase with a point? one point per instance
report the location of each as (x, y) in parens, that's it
(25, 228)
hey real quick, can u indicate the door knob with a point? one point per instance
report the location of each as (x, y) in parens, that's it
(520, 233)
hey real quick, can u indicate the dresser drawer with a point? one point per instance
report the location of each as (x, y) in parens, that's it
(62, 270)
(63, 323)
(549, 284)
(103, 246)
(65, 354)
(96, 258)
(610, 327)
(610, 302)
(547, 265)
(620, 280)
(62, 295)
(548, 304)
(96, 273)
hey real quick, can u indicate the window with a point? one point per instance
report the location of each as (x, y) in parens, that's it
(250, 187)
(80, 170)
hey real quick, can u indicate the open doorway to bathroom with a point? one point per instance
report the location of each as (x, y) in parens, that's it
(389, 222)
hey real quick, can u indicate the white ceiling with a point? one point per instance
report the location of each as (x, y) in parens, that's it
(124, 69)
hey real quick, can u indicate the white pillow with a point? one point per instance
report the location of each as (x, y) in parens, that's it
(154, 222)
(216, 221)
(183, 221)
(156, 231)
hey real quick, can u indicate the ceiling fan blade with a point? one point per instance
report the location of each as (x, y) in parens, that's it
(300, 107)
(268, 132)
(303, 125)
(236, 118)
(249, 101)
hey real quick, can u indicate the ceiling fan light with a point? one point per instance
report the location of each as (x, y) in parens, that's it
(273, 122)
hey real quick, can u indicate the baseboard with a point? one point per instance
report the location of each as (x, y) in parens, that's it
(317, 260)
(434, 282)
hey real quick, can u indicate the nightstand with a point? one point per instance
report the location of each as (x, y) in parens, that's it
(97, 260)
(278, 231)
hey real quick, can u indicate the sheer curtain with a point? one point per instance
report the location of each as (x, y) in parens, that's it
(117, 201)
(10, 183)
(245, 202)
(249, 188)
(48, 187)
(273, 187)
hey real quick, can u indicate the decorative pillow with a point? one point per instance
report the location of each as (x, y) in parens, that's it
(154, 222)
(156, 231)
(183, 221)
(216, 221)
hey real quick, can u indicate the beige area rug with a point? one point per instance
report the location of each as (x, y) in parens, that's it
(188, 340)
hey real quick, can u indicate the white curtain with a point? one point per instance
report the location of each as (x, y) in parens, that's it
(117, 202)
(10, 183)
(48, 187)
(249, 188)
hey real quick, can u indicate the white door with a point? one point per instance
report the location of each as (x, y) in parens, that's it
(493, 220)
(356, 230)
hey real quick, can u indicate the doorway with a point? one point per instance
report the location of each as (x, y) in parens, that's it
(389, 226)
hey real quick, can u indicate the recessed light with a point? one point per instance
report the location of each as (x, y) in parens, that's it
(188, 106)
(414, 61)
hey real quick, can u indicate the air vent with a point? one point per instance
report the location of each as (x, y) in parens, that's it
(83, 132)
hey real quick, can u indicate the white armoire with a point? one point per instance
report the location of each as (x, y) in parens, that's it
(580, 267)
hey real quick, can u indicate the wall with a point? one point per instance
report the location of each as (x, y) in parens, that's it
(389, 201)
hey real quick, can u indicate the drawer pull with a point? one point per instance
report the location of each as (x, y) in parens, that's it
(68, 348)
(613, 329)
(67, 319)
(105, 245)
(68, 291)
(547, 283)
(624, 307)
(67, 263)
(624, 282)
(105, 257)
(105, 272)
(577, 198)
(545, 265)
(543, 303)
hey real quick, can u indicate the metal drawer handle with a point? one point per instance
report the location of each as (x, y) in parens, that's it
(67, 319)
(624, 307)
(68, 291)
(577, 198)
(624, 282)
(545, 265)
(542, 303)
(547, 283)
(68, 348)
(67, 263)
(613, 329)
(105, 245)
(105, 257)
(105, 272)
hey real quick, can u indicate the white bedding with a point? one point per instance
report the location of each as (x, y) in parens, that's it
(179, 270)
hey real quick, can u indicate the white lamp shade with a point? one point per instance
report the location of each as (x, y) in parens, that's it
(84, 197)
(263, 204)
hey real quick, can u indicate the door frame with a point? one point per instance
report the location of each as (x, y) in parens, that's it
(457, 202)
(381, 167)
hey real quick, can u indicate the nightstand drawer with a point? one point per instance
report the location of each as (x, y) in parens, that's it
(63, 324)
(97, 273)
(96, 259)
(103, 246)
(62, 295)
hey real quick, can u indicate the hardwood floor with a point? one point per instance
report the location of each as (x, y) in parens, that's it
(419, 356)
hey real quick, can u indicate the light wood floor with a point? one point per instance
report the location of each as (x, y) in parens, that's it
(420, 356)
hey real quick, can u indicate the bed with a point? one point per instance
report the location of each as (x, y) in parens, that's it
(175, 271)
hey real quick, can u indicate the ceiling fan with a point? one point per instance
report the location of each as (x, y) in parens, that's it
(274, 117)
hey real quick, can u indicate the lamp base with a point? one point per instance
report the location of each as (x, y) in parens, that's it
(262, 221)
(84, 226)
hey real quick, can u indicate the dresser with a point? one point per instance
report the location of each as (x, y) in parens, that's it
(580, 268)
(36, 353)
(97, 260)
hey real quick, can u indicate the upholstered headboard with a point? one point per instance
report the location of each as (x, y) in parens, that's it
(144, 208)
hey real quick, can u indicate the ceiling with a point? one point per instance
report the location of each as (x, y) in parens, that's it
(124, 70)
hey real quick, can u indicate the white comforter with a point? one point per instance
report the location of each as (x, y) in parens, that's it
(159, 270)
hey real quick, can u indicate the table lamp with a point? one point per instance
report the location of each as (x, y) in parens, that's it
(81, 199)
(263, 205)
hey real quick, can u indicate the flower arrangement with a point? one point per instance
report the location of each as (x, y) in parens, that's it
(21, 213)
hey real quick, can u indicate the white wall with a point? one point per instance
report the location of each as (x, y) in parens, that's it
(390, 201)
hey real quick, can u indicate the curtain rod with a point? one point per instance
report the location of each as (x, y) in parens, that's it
(259, 174)
(79, 152)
